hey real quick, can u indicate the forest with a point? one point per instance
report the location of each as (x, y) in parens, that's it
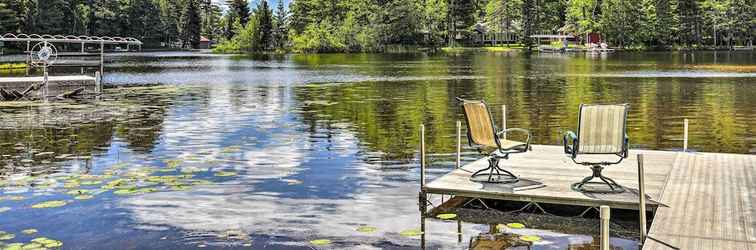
(313, 26)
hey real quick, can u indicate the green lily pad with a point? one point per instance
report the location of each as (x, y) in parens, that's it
(366, 229)
(84, 197)
(33, 246)
(12, 197)
(173, 163)
(6, 235)
(224, 173)
(50, 204)
(91, 183)
(47, 242)
(4, 209)
(446, 216)
(531, 238)
(411, 233)
(14, 246)
(515, 225)
(29, 231)
(72, 184)
(320, 242)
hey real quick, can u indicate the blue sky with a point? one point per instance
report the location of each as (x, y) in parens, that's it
(253, 3)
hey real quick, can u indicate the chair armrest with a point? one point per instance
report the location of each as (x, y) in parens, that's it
(626, 147)
(519, 130)
(570, 143)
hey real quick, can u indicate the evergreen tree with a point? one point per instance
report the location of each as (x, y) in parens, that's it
(50, 17)
(280, 32)
(212, 17)
(264, 26)
(192, 24)
(9, 21)
(529, 14)
(462, 15)
(663, 24)
(239, 10)
(689, 15)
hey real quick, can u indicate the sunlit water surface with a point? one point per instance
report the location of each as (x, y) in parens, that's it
(253, 152)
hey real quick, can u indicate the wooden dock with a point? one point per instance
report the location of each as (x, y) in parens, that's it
(701, 200)
(21, 83)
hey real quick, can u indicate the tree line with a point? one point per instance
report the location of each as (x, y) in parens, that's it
(376, 25)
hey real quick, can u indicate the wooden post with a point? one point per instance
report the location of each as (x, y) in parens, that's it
(504, 120)
(422, 155)
(685, 135)
(98, 83)
(605, 211)
(459, 144)
(28, 57)
(642, 199)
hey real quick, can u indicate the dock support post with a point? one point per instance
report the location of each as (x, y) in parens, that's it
(685, 135)
(422, 155)
(642, 201)
(98, 83)
(459, 144)
(605, 211)
(28, 57)
(504, 120)
(102, 59)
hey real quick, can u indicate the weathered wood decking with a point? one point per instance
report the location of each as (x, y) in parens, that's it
(24, 82)
(549, 166)
(702, 200)
(710, 198)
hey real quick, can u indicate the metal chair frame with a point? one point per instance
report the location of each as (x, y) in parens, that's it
(573, 149)
(499, 153)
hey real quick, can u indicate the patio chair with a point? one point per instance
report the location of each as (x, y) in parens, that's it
(602, 130)
(483, 135)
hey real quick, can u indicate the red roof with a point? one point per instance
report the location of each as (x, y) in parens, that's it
(204, 39)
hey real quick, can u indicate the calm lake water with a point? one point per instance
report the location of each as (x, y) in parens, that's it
(274, 152)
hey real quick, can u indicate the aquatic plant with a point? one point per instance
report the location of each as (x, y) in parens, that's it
(29, 231)
(224, 174)
(6, 235)
(4, 209)
(50, 204)
(320, 242)
(446, 216)
(47, 242)
(366, 229)
(411, 233)
(530, 238)
(515, 225)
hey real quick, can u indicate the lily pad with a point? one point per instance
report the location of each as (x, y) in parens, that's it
(320, 242)
(50, 204)
(224, 173)
(531, 238)
(91, 183)
(47, 242)
(79, 192)
(411, 233)
(366, 229)
(172, 163)
(4, 209)
(446, 216)
(515, 225)
(33, 246)
(29, 231)
(12, 197)
(84, 197)
(6, 235)
(14, 246)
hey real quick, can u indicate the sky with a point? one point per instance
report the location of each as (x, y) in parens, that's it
(253, 3)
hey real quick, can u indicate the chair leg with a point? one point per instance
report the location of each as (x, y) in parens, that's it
(493, 166)
(597, 169)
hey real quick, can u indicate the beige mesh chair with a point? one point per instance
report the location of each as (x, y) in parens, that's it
(602, 130)
(483, 135)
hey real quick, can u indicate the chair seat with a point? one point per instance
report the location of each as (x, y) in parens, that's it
(506, 145)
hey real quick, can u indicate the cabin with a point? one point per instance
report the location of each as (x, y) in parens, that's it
(204, 43)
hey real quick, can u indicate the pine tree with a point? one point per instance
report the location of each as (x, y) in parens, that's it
(9, 21)
(264, 26)
(280, 32)
(529, 14)
(663, 24)
(239, 10)
(192, 24)
(689, 15)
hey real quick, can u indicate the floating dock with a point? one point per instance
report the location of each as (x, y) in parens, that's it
(21, 83)
(699, 199)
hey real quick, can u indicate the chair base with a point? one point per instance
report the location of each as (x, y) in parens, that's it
(495, 173)
(605, 181)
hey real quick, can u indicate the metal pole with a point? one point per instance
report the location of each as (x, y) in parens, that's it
(459, 144)
(422, 155)
(98, 83)
(102, 59)
(44, 85)
(642, 201)
(28, 57)
(605, 211)
(685, 135)
(504, 120)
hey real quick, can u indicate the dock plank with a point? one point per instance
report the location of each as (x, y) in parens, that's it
(710, 198)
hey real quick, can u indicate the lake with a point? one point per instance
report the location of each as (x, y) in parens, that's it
(206, 151)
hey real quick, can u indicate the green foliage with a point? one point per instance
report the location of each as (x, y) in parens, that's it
(192, 24)
(264, 27)
(280, 23)
(622, 22)
(528, 22)
(9, 21)
(690, 19)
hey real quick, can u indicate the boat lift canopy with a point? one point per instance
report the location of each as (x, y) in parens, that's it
(9, 37)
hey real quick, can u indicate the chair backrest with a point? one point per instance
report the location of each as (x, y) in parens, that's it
(602, 129)
(480, 126)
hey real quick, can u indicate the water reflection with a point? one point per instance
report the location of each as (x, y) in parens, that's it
(275, 152)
